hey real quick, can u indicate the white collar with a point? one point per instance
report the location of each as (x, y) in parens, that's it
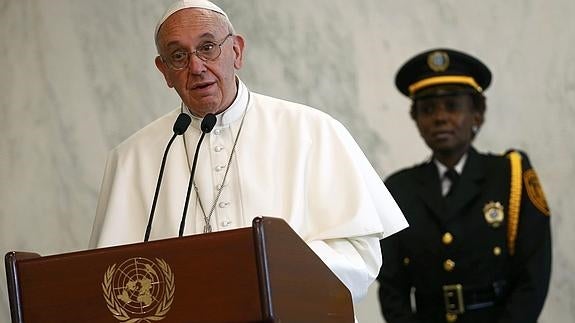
(233, 113)
(458, 167)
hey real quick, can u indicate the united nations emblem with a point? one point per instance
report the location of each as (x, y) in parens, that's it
(139, 290)
(493, 213)
(438, 61)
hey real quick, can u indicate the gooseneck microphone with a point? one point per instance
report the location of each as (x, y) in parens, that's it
(180, 126)
(207, 125)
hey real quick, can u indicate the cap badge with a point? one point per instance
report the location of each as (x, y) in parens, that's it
(493, 213)
(438, 61)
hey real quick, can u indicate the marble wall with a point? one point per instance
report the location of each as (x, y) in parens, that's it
(77, 77)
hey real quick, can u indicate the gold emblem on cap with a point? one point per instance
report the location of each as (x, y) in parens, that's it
(493, 213)
(139, 290)
(438, 61)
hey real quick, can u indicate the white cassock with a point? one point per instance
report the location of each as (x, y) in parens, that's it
(291, 162)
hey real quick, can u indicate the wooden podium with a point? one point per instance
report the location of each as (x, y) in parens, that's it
(265, 273)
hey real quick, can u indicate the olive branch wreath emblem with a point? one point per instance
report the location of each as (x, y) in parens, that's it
(121, 314)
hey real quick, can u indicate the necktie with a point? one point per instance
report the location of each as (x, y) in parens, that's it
(453, 177)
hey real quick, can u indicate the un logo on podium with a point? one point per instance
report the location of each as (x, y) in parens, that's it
(139, 290)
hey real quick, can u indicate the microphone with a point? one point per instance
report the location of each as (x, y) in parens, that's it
(207, 125)
(180, 126)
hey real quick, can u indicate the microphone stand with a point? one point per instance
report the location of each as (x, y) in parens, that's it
(208, 124)
(180, 126)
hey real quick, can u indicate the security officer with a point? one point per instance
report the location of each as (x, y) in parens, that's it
(478, 248)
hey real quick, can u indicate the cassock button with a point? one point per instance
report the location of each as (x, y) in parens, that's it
(450, 317)
(406, 261)
(220, 168)
(217, 132)
(448, 265)
(224, 204)
(497, 251)
(447, 238)
(226, 223)
(218, 148)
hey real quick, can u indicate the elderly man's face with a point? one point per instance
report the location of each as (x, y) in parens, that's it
(204, 86)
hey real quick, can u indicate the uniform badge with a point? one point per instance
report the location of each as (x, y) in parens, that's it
(438, 61)
(535, 192)
(493, 213)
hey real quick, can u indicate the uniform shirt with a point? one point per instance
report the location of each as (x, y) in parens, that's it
(442, 169)
(291, 162)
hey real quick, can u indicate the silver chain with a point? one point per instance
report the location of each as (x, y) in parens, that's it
(207, 218)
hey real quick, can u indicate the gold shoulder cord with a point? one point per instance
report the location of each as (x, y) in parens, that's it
(514, 199)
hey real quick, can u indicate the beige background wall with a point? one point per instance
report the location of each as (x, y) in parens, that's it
(77, 77)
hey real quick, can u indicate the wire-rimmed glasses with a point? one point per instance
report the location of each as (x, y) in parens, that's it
(208, 51)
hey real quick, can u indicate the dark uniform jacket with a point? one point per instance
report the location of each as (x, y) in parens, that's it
(456, 255)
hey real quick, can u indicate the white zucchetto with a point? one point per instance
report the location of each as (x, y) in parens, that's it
(184, 4)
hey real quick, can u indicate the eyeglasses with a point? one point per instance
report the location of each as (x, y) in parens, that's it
(208, 51)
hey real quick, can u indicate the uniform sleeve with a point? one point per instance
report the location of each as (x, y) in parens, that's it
(394, 284)
(531, 263)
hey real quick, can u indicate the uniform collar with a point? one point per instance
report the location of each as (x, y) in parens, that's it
(458, 167)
